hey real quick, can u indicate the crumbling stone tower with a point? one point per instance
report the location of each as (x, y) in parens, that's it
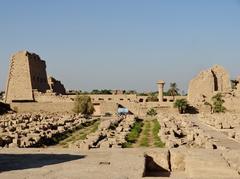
(208, 83)
(27, 73)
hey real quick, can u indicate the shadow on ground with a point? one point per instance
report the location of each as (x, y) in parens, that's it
(10, 162)
(152, 169)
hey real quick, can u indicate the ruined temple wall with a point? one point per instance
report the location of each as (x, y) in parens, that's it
(208, 83)
(19, 85)
(108, 107)
(56, 107)
(51, 97)
(222, 79)
(38, 73)
(114, 98)
(202, 85)
(101, 108)
(56, 86)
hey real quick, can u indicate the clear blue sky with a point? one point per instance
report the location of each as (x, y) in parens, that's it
(122, 44)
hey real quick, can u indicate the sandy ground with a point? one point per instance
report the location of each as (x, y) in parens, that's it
(54, 163)
(64, 164)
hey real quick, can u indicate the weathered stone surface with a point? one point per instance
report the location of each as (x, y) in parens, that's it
(28, 130)
(207, 83)
(177, 157)
(162, 158)
(111, 133)
(27, 75)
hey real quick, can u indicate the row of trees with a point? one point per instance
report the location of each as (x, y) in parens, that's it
(216, 105)
(84, 105)
(172, 91)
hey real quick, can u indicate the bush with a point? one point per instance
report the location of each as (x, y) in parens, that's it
(107, 114)
(83, 105)
(218, 103)
(152, 112)
(152, 97)
(182, 105)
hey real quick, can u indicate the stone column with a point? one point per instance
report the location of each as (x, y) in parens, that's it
(160, 84)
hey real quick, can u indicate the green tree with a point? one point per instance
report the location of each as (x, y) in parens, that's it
(234, 84)
(142, 94)
(151, 112)
(173, 90)
(218, 103)
(152, 97)
(83, 105)
(181, 104)
(103, 91)
(131, 92)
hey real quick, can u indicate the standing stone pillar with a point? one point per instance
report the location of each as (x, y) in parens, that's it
(160, 84)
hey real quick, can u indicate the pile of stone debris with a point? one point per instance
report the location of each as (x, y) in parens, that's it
(180, 130)
(228, 123)
(29, 130)
(111, 133)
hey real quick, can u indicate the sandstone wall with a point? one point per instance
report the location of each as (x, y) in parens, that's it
(222, 79)
(51, 97)
(202, 85)
(56, 107)
(64, 107)
(27, 73)
(19, 85)
(38, 74)
(108, 107)
(56, 86)
(208, 83)
(101, 108)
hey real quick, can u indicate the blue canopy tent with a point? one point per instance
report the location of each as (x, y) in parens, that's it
(123, 111)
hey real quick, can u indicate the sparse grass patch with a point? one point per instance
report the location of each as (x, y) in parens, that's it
(79, 134)
(144, 142)
(155, 131)
(134, 134)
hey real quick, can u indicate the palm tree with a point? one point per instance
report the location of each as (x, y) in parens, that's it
(173, 90)
(182, 105)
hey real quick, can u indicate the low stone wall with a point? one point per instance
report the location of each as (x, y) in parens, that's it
(101, 107)
(64, 107)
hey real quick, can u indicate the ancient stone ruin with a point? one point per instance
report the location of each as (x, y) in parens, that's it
(27, 73)
(201, 145)
(208, 83)
(56, 86)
